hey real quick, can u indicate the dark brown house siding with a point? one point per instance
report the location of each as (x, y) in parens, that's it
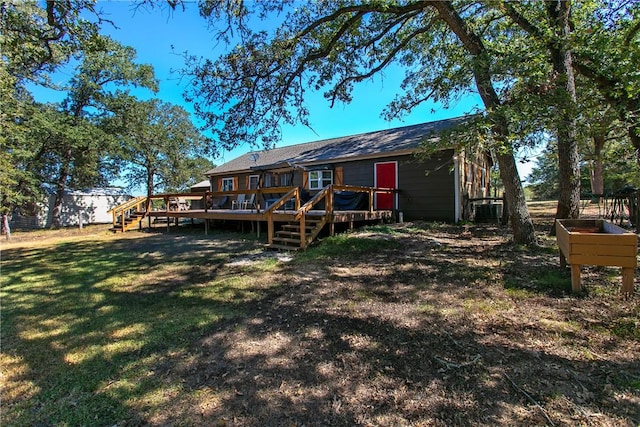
(426, 187)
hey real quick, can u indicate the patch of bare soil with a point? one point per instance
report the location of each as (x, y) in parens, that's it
(445, 326)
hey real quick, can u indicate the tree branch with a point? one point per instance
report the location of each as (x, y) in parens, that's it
(390, 57)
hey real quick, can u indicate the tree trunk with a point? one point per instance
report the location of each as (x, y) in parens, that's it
(149, 182)
(521, 224)
(597, 168)
(6, 230)
(56, 210)
(568, 159)
(634, 136)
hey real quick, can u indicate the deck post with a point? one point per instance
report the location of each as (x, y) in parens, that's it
(206, 227)
(329, 212)
(303, 231)
(270, 228)
(166, 204)
(371, 196)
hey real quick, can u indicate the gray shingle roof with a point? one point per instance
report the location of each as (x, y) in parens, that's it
(202, 184)
(344, 148)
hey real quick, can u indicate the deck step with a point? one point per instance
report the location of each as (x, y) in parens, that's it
(283, 233)
(289, 237)
(283, 247)
(286, 240)
(129, 223)
(297, 226)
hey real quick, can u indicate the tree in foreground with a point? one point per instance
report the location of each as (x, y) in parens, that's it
(35, 39)
(59, 145)
(107, 69)
(262, 83)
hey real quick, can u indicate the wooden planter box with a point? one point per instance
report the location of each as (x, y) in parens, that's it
(597, 242)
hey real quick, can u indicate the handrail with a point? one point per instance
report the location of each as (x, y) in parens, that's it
(257, 191)
(183, 195)
(314, 201)
(362, 189)
(128, 204)
(120, 210)
(294, 192)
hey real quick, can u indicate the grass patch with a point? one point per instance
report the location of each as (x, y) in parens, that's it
(86, 323)
(552, 280)
(538, 281)
(347, 245)
(626, 329)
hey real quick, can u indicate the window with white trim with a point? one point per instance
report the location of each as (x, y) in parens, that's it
(320, 179)
(253, 181)
(227, 184)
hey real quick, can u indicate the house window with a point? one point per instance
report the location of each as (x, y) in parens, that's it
(270, 180)
(285, 179)
(253, 181)
(320, 179)
(227, 184)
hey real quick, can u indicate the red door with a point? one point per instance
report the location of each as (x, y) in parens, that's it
(386, 176)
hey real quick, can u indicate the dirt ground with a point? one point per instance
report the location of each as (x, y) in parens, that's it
(445, 325)
(451, 326)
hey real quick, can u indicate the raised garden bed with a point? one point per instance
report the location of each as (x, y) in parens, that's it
(597, 242)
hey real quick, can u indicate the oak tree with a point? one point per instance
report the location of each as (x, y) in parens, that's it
(262, 82)
(158, 143)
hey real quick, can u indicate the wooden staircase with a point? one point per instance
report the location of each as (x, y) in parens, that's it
(290, 236)
(129, 214)
(132, 221)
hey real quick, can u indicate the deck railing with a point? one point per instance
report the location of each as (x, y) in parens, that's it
(122, 211)
(325, 195)
(277, 197)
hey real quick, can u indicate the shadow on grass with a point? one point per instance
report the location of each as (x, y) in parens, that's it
(162, 331)
(79, 317)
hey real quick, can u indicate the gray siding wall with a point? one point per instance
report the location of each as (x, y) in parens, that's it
(426, 188)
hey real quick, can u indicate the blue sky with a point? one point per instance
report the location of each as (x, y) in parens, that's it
(160, 36)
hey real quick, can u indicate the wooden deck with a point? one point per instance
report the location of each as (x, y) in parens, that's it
(280, 215)
(288, 223)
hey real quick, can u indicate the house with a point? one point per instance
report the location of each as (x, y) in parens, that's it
(201, 186)
(431, 189)
(88, 206)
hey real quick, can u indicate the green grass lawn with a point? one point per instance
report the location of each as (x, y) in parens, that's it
(87, 322)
